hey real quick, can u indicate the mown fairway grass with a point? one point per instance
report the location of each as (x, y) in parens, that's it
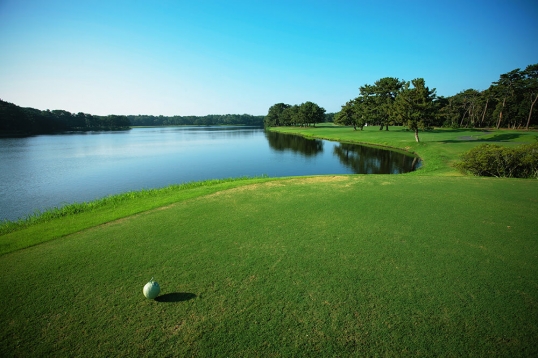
(424, 265)
(439, 148)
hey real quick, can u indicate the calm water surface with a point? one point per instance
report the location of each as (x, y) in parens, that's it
(37, 173)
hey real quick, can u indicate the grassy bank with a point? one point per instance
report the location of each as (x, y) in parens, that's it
(58, 222)
(429, 263)
(439, 148)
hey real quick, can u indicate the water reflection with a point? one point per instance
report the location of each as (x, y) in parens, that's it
(369, 160)
(213, 132)
(45, 171)
(296, 144)
(359, 159)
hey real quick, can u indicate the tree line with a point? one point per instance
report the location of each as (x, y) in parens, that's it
(15, 120)
(508, 103)
(212, 119)
(305, 114)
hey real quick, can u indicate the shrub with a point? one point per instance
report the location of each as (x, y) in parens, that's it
(498, 161)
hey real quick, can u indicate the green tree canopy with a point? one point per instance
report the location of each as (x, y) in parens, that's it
(311, 113)
(530, 79)
(353, 113)
(378, 100)
(414, 106)
(305, 114)
(274, 115)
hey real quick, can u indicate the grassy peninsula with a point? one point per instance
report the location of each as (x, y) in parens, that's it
(439, 148)
(430, 263)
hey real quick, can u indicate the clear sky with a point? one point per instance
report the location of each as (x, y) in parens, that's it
(215, 57)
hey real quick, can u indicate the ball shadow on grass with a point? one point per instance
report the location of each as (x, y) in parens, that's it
(175, 297)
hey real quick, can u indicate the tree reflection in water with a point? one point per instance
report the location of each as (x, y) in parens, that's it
(359, 159)
(297, 144)
(369, 160)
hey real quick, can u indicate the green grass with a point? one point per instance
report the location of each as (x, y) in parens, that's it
(429, 263)
(327, 266)
(439, 148)
(58, 222)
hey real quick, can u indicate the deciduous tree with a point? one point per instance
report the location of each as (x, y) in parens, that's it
(273, 117)
(309, 112)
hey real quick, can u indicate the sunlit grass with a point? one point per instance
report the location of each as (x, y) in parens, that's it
(108, 201)
(325, 266)
(57, 222)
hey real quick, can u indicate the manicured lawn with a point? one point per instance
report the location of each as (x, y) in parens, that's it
(439, 148)
(331, 266)
(430, 263)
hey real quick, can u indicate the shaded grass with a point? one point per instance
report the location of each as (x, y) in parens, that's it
(324, 266)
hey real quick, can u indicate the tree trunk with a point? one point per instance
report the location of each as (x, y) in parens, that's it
(354, 127)
(530, 112)
(501, 114)
(484, 113)
(462, 118)
(386, 127)
(416, 135)
(381, 127)
(472, 115)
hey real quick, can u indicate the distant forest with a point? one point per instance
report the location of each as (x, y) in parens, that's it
(211, 119)
(17, 121)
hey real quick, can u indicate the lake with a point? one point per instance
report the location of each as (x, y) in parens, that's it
(45, 171)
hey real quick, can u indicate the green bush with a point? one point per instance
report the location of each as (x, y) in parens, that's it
(498, 161)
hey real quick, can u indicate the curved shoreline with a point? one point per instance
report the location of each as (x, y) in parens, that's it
(59, 222)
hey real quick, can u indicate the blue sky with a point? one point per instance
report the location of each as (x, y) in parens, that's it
(215, 57)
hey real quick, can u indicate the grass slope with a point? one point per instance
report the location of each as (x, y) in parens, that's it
(66, 220)
(332, 266)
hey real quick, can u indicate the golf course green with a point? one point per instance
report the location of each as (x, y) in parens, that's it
(429, 263)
